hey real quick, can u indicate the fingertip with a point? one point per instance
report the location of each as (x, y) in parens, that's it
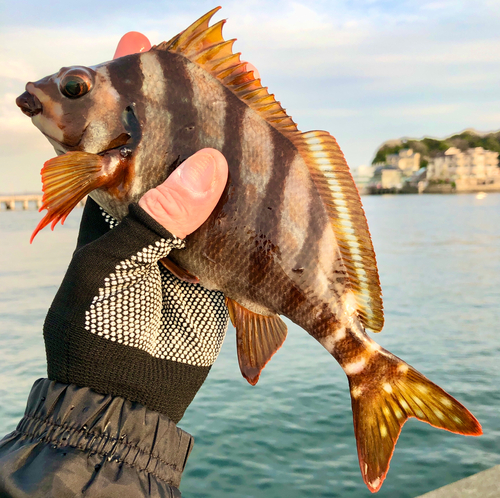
(221, 166)
(132, 42)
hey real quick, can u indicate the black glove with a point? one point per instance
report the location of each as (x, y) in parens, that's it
(123, 325)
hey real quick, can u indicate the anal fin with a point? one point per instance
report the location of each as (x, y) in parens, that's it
(179, 272)
(258, 337)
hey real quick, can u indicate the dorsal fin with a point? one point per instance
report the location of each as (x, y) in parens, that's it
(205, 46)
(340, 196)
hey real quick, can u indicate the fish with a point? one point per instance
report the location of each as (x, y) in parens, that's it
(289, 236)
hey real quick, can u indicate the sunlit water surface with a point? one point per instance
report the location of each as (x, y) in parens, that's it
(291, 435)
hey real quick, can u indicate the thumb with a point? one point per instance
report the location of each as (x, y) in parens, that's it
(185, 200)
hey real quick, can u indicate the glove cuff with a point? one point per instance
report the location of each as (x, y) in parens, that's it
(102, 432)
(76, 357)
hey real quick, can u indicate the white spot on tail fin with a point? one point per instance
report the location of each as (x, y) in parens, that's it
(340, 334)
(387, 387)
(355, 367)
(375, 484)
(330, 342)
(356, 392)
(446, 402)
(439, 414)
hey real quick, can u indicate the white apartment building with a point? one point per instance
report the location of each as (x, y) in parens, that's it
(406, 160)
(472, 164)
(387, 177)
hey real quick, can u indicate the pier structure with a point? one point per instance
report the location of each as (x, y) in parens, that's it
(24, 201)
(484, 484)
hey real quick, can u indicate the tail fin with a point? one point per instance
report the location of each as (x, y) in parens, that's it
(385, 399)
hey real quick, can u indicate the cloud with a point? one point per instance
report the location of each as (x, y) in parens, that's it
(421, 110)
(366, 70)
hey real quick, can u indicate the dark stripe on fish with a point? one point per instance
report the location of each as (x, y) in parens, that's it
(179, 102)
(233, 127)
(127, 78)
(272, 203)
(318, 223)
(264, 254)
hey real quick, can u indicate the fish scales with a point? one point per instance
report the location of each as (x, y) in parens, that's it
(250, 220)
(288, 236)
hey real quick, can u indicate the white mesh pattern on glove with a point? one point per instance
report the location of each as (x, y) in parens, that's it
(145, 306)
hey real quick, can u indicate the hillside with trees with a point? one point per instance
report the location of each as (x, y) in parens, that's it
(431, 147)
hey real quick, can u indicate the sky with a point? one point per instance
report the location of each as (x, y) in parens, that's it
(365, 70)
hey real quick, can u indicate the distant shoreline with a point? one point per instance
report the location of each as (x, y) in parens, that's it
(24, 202)
(445, 188)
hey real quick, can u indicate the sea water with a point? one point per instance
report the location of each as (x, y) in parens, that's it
(291, 435)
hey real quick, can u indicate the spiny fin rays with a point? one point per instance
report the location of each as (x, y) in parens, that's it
(205, 45)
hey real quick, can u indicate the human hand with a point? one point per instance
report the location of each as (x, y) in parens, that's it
(187, 197)
(122, 332)
(124, 325)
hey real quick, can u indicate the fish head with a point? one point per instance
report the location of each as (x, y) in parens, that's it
(79, 108)
(93, 117)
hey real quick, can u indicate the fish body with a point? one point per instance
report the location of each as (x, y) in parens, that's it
(288, 237)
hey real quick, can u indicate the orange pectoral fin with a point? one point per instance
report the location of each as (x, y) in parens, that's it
(258, 337)
(179, 272)
(67, 179)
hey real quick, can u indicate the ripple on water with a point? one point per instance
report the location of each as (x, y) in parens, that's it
(291, 435)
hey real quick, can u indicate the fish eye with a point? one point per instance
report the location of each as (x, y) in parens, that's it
(75, 83)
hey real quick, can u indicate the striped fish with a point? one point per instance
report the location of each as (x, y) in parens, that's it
(289, 236)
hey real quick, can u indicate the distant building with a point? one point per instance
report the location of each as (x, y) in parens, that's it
(386, 178)
(474, 166)
(417, 182)
(406, 160)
